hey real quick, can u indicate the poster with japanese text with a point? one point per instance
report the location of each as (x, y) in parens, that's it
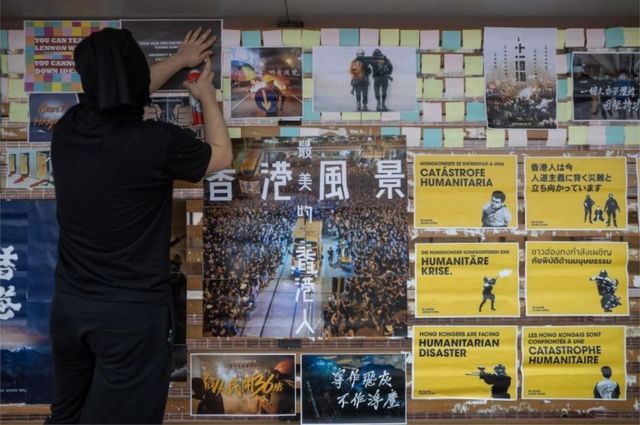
(467, 279)
(307, 237)
(605, 86)
(228, 384)
(48, 53)
(28, 253)
(160, 38)
(466, 362)
(45, 109)
(577, 278)
(575, 193)
(266, 82)
(452, 191)
(353, 389)
(520, 77)
(574, 362)
(29, 168)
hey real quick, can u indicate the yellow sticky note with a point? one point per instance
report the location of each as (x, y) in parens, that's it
(410, 38)
(371, 116)
(430, 64)
(453, 137)
(307, 88)
(389, 37)
(4, 64)
(219, 94)
(454, 111)
(631, 37)
(569, 87)
(235, 132)
(18, 112)
(433, 88)
(419, 84)
(226, 88)
(578, 135)
(291, 37)
(495, 138)
(560, 39)
(474, 86)
(16, 89)
(473, 65)
(472, 39)
(310, 38)
(56, 87)
(351, 116)
(632, 135)
(564, 111)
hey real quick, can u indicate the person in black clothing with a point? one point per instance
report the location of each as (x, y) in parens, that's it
(588, 208)
(382, 68)
(499, 381)
(487, 292)
(110, 317)
(360, 71)
(611, 207)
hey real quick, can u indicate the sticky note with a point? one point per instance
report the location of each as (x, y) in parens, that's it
(307, 63)
(632, 135)
(307, 88)
(577, 135)
(251, 38)
(454, 87)
(226, 88)
(18, 112)
(15, 63)
(4, 64)
(235, 132)
(389, 37)
(560, 39)
(451, 40)
(562, 89)
(4, 39)
(410, 38)
(615, 135)
(291, 37)
(16, 39)
(473, 65)
(556, 137)
(433, 88)
(453, 63)
(390, 116)
(419, 84)
(331, 116)
(432, 112)
(476, 111)
(595, 38)
(563, 113)
(4, 88)
(495, 138)
(472, 39)
(631, 36)
(614, 37)
(307, 111)
(412, 135)
(390, 131)
(561, 64)
(351, 116)
(410, 115)
(517, 137)
(430, 64)
(16, 89)
(432, 137)
(429, 39)
(310, 38)
(371, 116)
(330, 36)
(454, 111)
(231, 38)
(289, 131)
(453, 138)
(309, 131)
(474, 86)
(596, 135)
(272, 38)
(349, 37)
(369, 36)
(574, 37)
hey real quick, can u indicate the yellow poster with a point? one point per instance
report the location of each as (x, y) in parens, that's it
(467, 279)
(469, 362)
(575, 193)
(574, 362)
(577, 278)
(465, 191)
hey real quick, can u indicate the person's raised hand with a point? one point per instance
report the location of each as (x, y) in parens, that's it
(196, 47)
(202, 88)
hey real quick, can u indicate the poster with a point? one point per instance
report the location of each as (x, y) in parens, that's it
(574, 362)
(354, 79)
(160, 38)
(307, 237)
(577, 278)
(520, 77)
(178, 284)
(48, 53)
(45, 109)
(266, 82)
(29, 168)
(228, 384)
(171, 109)
(476, 191)
(28, 253)
(466, 362)
(605, 86)
(575, 193)
(353, 389)
(467, 280)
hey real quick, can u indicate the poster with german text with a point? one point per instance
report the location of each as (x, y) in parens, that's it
(453, 191)
(466, 362)
(575, 193)
(574, 362)
(467, 279)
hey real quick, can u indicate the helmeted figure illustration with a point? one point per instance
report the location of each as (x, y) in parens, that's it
(607, 290)
(598, 214)
(588, 208)
(382, 69)
(360, 71)
(499, 381)
(611, 207)
(487, 292)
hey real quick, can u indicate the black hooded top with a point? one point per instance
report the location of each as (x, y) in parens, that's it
(114, 176)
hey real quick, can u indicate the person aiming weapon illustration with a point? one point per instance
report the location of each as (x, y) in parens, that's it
(487, 288)
(607, 290)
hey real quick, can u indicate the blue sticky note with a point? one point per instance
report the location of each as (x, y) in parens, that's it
(411, 116)
(615, 135)
(251, 38)
(476, 111)
(4, 39)
(349, 37)
(451, 40)
(418, 62)
(307, 111)
(562, 89)
(614, 37)
(390, 131)
(289, 131)
(432, 137)
(307, 63)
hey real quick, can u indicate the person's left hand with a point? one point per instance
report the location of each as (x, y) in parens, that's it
(195, 48)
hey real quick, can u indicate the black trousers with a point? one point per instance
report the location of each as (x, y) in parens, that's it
(112, 361)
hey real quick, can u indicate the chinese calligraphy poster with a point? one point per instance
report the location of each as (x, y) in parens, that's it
(307, 237)
(243, 384)
(520, 77)
(45, 109)
(465, 191)
(467, 279)
(476, 362)
(353, 389)
(574, 362)
(577, 278)
(266, 82)
(575, 193)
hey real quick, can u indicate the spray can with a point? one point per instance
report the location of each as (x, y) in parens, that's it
(196, 107)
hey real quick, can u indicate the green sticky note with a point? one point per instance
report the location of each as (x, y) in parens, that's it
(371, 116)
(451, 40)
(474, 86)
(226, 88)
(251, 38)
(578, 135)
(235, 132)
(430, 64)
(472, 39)
(615, 135)
(16, 89)
(389, 131)
(291, 37)
(562, 89)
(632, 135)
(560, 39)
(495, 138)
(631, 37)
(432, 137)
(453, 137)
(454, 111)
(419, 84)
(307, 88)
(310, 38)
(289, 131)
(563, 111)
(410, 38)
(349, 37)
(476, 111)
(433, 88)
(4, 64)
(389, 37)
(473, 65)
(351, 116)
(614, 37)
(18, 112)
